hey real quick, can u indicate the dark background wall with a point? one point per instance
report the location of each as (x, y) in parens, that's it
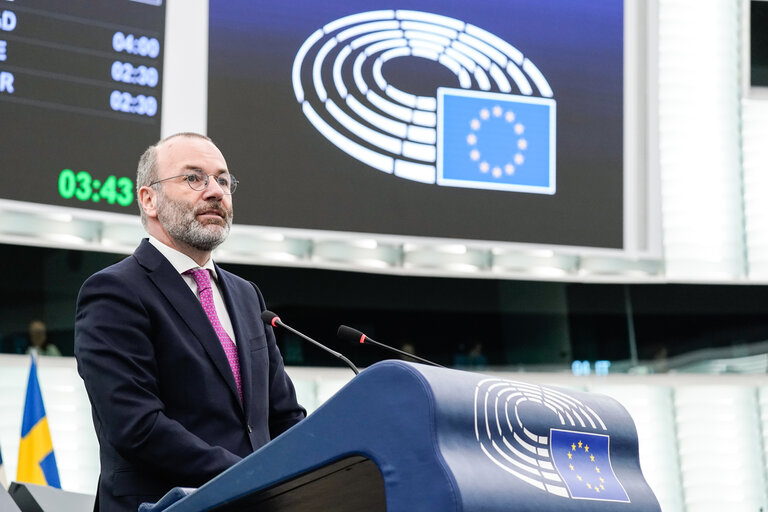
(516, 322)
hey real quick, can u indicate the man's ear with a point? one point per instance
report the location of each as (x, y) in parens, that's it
(148, 201)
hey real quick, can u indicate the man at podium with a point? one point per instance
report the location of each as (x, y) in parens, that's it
(183, 377)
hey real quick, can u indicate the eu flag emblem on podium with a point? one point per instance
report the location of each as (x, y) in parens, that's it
(37, 463)
(583, 462)
(496, 141)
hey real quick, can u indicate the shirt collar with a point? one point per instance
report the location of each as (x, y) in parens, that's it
(180, 261)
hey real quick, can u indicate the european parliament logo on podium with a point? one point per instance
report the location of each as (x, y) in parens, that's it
(496, 141)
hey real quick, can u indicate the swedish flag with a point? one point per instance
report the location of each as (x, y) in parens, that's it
(37, 463)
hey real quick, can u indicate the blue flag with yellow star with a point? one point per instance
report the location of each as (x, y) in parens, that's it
(496, 141)
(583, 461)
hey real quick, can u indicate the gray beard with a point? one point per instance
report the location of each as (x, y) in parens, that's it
(180, 223)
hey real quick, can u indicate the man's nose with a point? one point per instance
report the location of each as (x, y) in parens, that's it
(213, 189)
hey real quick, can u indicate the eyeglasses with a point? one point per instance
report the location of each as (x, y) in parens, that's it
(198, 180)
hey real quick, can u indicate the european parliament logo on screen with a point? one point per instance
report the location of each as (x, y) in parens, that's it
(495, 141)
(496, 130)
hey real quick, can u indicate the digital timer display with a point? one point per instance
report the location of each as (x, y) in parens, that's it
(128, 103)
(139, 75)
(144, 46)
(81, 88)
(81, 185)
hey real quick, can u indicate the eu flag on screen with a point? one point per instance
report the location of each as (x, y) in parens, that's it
(583, 461)
(37, 463)
(496, 141)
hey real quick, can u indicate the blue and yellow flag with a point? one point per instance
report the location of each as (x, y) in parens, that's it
(37, 463)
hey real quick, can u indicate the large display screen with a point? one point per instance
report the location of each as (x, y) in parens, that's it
(758, 38)
(491, 120)
(80, 98)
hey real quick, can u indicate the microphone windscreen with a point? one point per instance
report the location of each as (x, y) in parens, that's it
(350, 335)
(268, 316)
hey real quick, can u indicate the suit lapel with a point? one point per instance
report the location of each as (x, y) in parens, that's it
(187, 306)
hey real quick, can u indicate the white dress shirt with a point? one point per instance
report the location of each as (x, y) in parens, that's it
(181, 262)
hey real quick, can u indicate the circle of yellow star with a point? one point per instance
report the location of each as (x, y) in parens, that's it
(484, 166)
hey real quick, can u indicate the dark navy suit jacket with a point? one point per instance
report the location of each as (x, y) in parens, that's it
(164, 400)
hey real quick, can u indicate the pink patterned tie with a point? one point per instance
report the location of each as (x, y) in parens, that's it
(203, 280)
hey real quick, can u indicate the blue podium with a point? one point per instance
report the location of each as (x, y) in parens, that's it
(405, 437)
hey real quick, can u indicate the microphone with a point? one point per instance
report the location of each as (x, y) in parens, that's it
(351, 335)
(274, 320)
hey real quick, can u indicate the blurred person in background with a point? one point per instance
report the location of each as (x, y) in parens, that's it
(38, 340)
